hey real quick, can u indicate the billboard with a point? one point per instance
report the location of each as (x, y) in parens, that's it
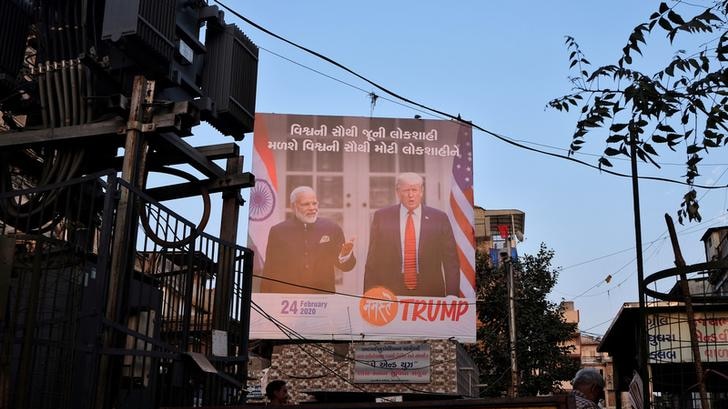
(362, 229)
(668, 335)
(392, 363)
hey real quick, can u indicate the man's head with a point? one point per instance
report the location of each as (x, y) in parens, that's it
(277, 392)
(410, 190)
(304, 204)
(589, 382)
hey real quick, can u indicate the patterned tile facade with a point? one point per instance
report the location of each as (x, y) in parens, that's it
(330, 367)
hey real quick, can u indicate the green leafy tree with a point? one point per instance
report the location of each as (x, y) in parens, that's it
(681, 106)
(541, 332)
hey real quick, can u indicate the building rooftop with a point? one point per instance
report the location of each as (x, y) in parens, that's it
(711, 230)
(487, 221)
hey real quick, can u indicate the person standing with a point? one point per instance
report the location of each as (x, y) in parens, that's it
(303, 253)
(588, 387)
(412, 249)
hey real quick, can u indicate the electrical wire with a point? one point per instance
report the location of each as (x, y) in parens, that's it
(716, 182)
(524, 141)
(687, 230)
(325, 291)
(291, 333)
(661, 238)
(339, 80)
(654, 253)
(456, 118)
(430, 109)
(600, 282)
(593, 334)
(452, 117)
(543, 145)
(495, 382)
(647, 244)
(630, 275)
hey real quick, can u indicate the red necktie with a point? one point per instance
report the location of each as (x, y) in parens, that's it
(410, 254)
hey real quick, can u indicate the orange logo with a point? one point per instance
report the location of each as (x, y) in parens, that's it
(378, 306)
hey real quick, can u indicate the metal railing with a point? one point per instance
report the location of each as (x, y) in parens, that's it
(163, 347)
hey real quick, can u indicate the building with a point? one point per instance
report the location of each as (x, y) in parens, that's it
(495, 228)
(715, 241)
(673, 349)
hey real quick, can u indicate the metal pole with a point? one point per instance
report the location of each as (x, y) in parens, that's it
(29, 331)
(513, 392)
(7, 256)
(642, 330)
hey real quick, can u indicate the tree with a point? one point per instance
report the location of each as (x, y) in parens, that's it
(683, 105)
(541, 332)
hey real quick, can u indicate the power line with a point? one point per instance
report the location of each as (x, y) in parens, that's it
(281, 327)
(619, 284)
(457, 118)
(357, 296)
(649, 244)
(600, 282)
(662, 237)
(443, 114)
(326, 291)
(348, 84)
(543, 145)
(716, 182)
(594, 259)
(687, 230)
(289, 332)
(524, 141)
(595, 326)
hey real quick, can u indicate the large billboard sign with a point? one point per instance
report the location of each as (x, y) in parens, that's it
(362, 229)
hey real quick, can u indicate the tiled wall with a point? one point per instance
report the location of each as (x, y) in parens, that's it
(321, 366)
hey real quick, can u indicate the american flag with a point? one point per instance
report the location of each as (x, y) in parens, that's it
(461, 211)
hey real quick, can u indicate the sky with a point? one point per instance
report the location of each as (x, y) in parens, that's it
(496, 64)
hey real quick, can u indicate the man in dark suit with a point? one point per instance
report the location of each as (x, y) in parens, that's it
(412, 248)
(303, 252)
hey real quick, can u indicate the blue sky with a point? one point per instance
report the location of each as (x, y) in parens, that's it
(496, 64)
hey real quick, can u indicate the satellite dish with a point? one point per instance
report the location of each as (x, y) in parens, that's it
(519, 235)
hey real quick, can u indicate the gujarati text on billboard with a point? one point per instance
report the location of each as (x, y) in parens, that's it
(362, 228)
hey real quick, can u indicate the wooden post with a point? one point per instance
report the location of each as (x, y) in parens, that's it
(122, 251)
(228, 233)
(685, 289)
